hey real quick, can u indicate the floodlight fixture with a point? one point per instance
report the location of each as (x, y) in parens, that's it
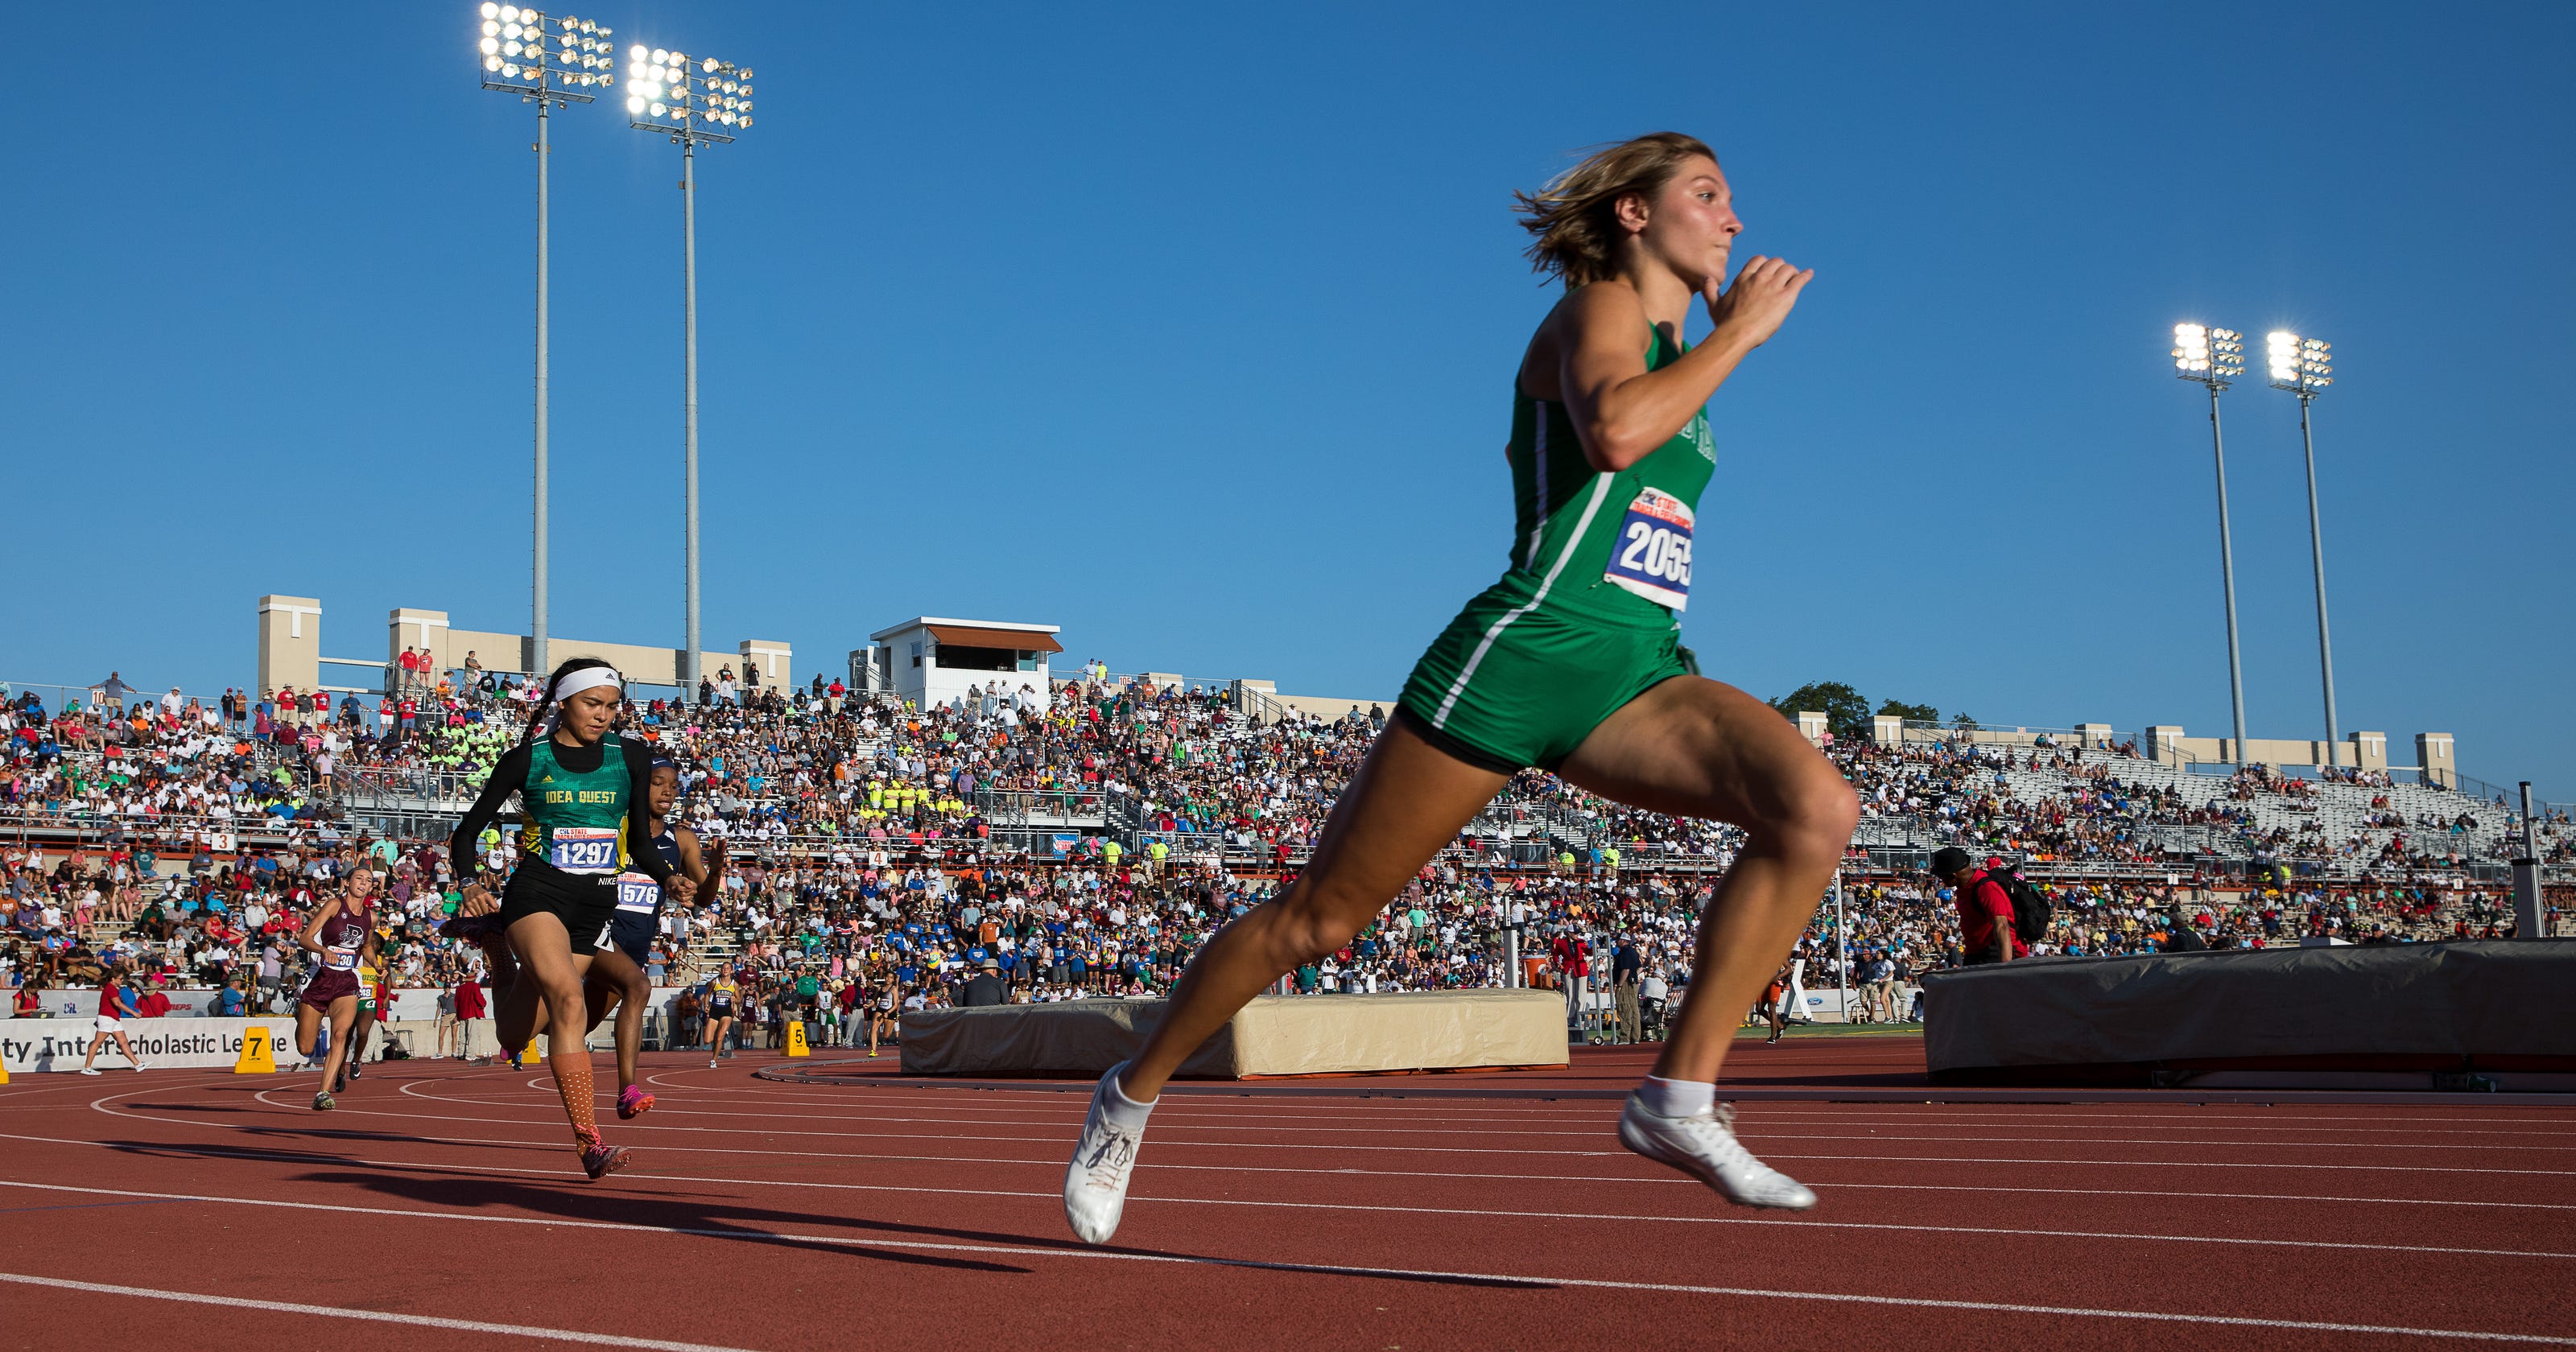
(694, 101)
(2303, 366)
(553, 61)
(558, 59)
(2213, 357)
(2299, 365)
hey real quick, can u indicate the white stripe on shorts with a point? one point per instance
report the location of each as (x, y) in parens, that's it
(1600, 489)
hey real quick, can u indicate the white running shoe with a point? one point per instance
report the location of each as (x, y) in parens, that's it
(89, 1070)
(1095, 1183)
(1704, 1146)
(139, 1067)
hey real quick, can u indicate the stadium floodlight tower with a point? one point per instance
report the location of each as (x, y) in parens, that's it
(2301, 366)
(548, 62)
(692, 101)
(2215, 357)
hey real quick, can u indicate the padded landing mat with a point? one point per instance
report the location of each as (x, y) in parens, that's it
(2460, 1008)
(1274, 1035)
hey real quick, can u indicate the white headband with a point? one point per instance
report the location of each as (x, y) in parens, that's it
(585, 679)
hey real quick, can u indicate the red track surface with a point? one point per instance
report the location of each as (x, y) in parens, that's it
(793, 1216)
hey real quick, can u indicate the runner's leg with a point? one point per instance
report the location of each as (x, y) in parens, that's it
(1695, 747)
(553, 972)
(308, 1022)
(344, 1016)
(1408, 799)
(616, 974)
(516, 1015)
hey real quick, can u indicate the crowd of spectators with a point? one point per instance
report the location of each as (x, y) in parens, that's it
(1084, 839)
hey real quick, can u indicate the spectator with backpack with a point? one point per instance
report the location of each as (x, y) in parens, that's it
(1988, 922)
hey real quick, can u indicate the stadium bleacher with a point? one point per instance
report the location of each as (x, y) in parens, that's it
(1090, 835)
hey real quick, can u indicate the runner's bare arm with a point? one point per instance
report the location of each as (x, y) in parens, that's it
(1621, 410)
(693, 856)
(310, 939)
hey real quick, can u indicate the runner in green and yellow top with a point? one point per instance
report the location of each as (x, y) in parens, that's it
(584, 797)
(1572, 663)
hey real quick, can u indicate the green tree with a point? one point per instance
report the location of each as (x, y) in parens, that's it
(1963, 722)
(1846, 713)
(1918, 713)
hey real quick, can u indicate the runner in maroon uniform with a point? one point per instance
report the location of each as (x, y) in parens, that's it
(342, 931)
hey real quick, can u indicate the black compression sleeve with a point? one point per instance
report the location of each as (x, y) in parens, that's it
(509, 775)
(639, 813)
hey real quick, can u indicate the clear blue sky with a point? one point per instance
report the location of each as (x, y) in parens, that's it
(1190, 330)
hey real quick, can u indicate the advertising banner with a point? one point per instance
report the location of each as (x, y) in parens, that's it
(28, 1045)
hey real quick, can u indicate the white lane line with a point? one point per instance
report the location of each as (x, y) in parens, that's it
(1432, 1097)
(1236, 1123)
(1421, 1109)
(1342, 1270)
(1750, 1139)
(368, 1316)
(1435, 1090)
(1768, 1121)
(1202, 1107)
(1165, 1166)
(1346, 1147)
(1575, 1154)
(1480, 1212)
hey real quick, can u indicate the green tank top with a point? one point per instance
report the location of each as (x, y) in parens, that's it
(1617, 545)
(576, 821)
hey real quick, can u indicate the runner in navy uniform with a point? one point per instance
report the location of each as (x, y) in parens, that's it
(638, 920)
(720, 1012)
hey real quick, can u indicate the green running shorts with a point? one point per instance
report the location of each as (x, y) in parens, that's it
(1509, 685)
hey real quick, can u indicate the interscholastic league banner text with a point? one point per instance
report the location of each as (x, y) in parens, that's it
(59, 1044)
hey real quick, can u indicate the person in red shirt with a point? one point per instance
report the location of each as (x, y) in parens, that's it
(1985, 910)
(469, 1007)
(155, 1003)
(115, 1005)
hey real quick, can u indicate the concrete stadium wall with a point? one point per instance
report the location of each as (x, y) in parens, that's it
(290, 650)
(2436, 752)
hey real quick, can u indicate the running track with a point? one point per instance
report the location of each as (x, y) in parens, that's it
(439, 1208)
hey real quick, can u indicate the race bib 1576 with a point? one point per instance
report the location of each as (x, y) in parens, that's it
(1652, 556)
(635, 892)
(585, 849)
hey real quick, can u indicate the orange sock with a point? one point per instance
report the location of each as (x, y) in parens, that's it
(572, 1080)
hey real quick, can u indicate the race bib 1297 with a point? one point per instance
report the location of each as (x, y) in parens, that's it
(585, 849)
(1652, 556)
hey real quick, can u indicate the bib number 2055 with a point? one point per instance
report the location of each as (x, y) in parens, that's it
(1652, 556)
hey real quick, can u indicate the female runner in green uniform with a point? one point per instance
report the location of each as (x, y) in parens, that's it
(584, 798)
(1571, 663)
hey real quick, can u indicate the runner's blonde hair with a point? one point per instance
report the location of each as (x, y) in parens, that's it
(1574, 216)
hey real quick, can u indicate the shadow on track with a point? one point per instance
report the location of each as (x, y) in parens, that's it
(734, 1221)
(701, 1219)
